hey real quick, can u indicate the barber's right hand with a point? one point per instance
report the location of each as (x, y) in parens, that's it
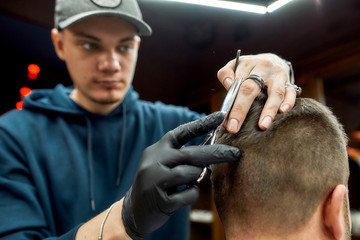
(165, 166)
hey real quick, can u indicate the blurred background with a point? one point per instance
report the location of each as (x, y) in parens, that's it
(190, 43)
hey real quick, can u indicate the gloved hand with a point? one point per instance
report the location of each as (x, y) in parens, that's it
(165, 166)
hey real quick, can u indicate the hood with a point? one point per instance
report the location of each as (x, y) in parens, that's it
(58, 101)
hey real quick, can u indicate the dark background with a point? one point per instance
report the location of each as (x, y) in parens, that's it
(178, 64)
(190, 43)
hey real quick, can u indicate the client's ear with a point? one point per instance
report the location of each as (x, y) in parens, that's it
(334, 212)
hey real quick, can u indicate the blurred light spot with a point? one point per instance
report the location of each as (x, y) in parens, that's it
(19, 105)
(33, 69)
(24, 91)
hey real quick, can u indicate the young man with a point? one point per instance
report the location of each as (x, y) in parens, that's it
(291, 182)
(73, 152)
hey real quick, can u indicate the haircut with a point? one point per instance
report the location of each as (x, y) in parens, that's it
(285, 172)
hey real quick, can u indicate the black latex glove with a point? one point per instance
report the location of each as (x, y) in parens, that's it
(166, 165)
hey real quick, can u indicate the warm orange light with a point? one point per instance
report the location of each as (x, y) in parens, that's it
(19, 105)
(32, 76)
(24, 91)
(355, 134)
(353, 153)
(34, 69)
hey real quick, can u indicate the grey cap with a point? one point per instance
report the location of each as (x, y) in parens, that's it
(68, 12)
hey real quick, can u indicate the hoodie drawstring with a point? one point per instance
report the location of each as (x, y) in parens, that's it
(118, 175)
(90, 157)
(90, 163)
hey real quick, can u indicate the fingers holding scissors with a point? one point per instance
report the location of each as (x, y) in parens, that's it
(261, 71)
(247, 92)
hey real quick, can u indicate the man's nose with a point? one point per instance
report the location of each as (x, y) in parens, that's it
(109, 62)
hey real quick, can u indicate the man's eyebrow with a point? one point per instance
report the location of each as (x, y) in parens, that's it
(132, 38)
(84, 35)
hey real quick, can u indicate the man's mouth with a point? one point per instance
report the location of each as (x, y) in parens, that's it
(109, 83)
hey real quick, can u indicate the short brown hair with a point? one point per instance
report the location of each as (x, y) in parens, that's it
(285, 172)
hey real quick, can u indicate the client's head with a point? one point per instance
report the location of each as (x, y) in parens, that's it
(292, 179)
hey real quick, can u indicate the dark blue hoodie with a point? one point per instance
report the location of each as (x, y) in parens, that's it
(61, 165)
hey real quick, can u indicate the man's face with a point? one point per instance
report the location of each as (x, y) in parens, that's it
(100, 54)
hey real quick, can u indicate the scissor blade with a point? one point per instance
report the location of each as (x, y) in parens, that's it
(230, 99)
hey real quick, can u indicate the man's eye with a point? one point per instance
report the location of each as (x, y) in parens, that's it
(125, 48)
(89, 46)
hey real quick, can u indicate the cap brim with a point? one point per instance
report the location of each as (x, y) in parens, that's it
(142, 27)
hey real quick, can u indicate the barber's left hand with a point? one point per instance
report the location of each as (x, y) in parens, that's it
(164, 167)
(275, 73)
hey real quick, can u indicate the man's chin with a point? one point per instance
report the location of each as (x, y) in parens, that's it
(111, 97)
(109, 101)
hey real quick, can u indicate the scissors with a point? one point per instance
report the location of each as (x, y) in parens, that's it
(225, 108)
